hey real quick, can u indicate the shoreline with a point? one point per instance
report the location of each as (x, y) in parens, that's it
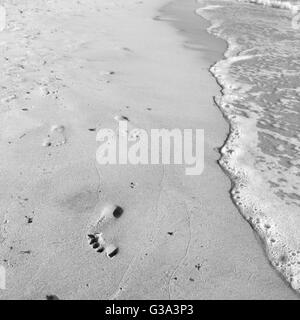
(180, 237)
(257, 235)
(236, 172)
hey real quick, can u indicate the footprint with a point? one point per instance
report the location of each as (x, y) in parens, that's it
(44, 91)
(108, 212)
(96, 238)
(111, 250)
(99, 244)
(56, 136)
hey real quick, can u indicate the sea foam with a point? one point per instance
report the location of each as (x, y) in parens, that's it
(260, 99)
(294, 6)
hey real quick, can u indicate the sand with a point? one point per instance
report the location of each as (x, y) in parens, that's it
(70, 68)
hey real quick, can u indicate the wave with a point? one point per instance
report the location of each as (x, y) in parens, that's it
(294, 6)
(260, 100)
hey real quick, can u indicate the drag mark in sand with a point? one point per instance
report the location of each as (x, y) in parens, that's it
(120, 286)
(188, 216)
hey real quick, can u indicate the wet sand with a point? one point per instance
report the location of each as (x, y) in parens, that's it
(179, 236)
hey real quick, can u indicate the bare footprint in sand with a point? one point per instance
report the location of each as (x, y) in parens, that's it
(44, 91)
(99, 244)
(108, 212)
(56, 137)
(96, 237)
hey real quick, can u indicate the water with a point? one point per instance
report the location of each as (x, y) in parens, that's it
(260, 77)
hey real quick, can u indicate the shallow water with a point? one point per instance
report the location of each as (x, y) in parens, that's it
(261, 100)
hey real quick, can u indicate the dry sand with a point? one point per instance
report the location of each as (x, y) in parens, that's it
(77, 65)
